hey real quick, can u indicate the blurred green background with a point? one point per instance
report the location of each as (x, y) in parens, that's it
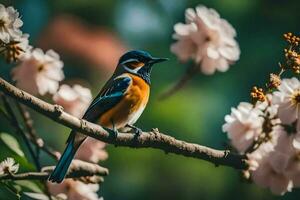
(195, 114)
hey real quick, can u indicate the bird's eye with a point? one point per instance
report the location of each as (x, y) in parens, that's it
(134, 64)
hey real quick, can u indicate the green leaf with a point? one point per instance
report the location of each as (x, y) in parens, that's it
(12, 189)
(37, 196)
(11, 143)
(29, 185)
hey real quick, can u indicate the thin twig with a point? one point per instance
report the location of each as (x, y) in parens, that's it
(88, 172)
(11, 189)
(28, 122)
(35, 139)
(45, 148)
(30, 130)
(43, 176)
(188, 75)
(19, 129)
(152, 139)
(36, 157)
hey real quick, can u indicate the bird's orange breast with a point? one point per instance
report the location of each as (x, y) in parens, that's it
(128, 110)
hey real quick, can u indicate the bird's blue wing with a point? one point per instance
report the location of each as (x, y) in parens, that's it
(110, 95)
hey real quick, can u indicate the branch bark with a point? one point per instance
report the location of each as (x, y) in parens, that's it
(43, 176)
(152, 139)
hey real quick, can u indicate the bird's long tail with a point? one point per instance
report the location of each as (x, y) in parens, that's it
(64, 162)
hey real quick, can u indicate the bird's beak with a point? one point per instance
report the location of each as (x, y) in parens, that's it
(157, 60)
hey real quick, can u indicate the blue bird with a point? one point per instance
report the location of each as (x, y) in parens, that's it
(119, 104)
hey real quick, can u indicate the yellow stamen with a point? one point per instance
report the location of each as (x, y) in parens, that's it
(296, 97)
(258, 94)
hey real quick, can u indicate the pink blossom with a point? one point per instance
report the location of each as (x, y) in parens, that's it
(243, 125)
(10, 23)
(75, 190)
(293, 170)
(75, 100)
(296, 141)
(39, 72)
(271, 164)
(92, 150)
(207, 39)
(265, 176)
(287, 99)
(286, 158)
(276, 163)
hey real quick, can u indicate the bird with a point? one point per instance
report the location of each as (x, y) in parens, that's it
(119, 103)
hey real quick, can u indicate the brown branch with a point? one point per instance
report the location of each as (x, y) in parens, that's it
(188, 75)
(152, 139)
(78, 170)
(42, 176)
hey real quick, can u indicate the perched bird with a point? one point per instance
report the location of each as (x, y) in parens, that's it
(119, 104)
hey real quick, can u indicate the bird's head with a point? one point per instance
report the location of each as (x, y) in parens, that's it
(139, 63)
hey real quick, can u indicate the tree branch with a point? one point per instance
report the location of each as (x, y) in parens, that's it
(187, 76)
(41, 176)
(35, 139)
(152, 139)
(19, 130)
(78, 170)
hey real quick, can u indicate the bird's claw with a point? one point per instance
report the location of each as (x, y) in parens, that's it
(112, 132)
(115, 132)
(137, 131)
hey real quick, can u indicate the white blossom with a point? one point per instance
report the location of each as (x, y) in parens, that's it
(207, 39)
(265, 176)
(75, 100)
(10, 23)
(243, 125)
(16, 48)
(288, 100)
(286, 158)
(9, 165)
(39, 72)
(92, 150)
(276, 163)
(296, 141)
(271, 110)
(75, 190)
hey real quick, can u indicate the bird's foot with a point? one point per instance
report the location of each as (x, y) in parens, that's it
(137, 131)
(112, 132)
(115, 132)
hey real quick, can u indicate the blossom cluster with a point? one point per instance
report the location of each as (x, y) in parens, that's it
(268, 133)
(207, 39)
(40, 73)
(8, 166)
(266, 130)
(13, 43)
